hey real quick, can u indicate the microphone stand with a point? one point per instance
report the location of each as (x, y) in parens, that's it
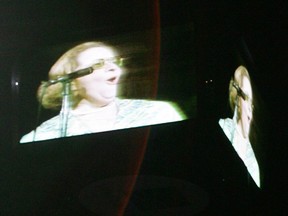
(66, 107)
(66, 96)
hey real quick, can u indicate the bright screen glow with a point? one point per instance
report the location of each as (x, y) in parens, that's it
(136, 79)
(237, 129)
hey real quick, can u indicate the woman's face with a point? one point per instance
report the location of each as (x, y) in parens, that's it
(246, 108)
(99, 87)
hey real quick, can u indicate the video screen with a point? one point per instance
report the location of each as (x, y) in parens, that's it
(105, 78)
(238, 127)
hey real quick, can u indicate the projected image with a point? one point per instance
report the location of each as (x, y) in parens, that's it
(238, 128)
(85, 88)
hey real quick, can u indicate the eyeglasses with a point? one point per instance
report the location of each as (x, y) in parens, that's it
(244, 96)
(101, 62)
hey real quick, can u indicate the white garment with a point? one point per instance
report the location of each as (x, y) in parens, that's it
(243, 148)
(130, 113)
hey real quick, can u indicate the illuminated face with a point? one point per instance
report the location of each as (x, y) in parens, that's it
(245, 108)
(100, 87)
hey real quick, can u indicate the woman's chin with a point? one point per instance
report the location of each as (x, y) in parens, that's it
(108, 98)
(246, 135)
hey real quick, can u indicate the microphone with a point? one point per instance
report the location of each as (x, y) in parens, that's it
(239, 91)
(71, 76)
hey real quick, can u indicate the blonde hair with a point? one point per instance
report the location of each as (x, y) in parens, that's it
(237, 80)
(51, 97)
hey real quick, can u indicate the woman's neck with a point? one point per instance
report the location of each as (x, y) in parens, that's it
(240, 130)
(85, 107)
(94, 118)
(240, 142)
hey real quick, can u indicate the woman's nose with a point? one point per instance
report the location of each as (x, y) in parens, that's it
(250, 111)
(111, 67)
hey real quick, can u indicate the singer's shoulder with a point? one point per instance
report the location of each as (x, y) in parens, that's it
(49, 129)
(50, 124)
(152, 111)
(228, 127)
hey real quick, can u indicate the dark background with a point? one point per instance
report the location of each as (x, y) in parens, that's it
(46, 179)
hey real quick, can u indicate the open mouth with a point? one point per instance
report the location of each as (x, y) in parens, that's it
(249, 118)
(112, 80)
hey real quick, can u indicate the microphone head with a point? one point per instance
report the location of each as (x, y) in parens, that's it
(80, 73)
(71, 76)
